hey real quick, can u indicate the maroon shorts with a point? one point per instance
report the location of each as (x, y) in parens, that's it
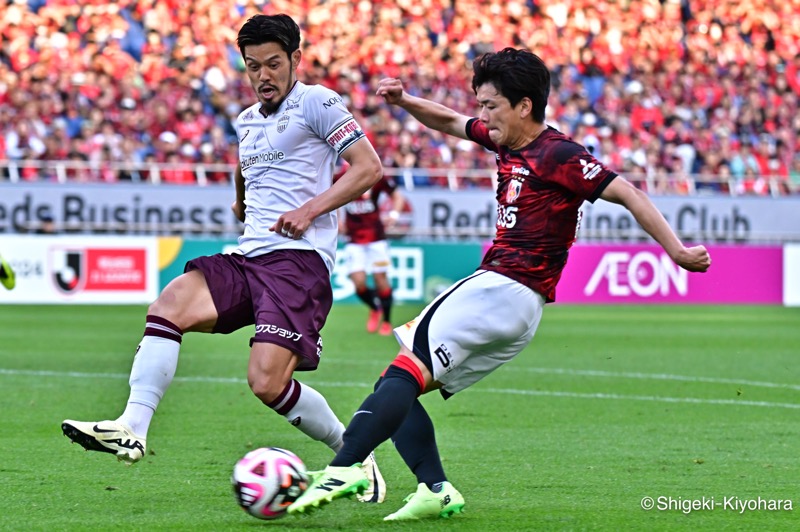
(285, 293)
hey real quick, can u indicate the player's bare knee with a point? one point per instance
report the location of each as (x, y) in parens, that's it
(164, 307)
(187, 303)
(266, 387)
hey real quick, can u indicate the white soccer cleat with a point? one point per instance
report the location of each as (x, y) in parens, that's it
(107, 437)
(376, 491)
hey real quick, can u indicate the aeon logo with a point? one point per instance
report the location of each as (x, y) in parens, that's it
(643, 274)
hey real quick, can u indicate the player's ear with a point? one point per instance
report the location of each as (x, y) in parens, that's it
(525, 107)
(296, 55)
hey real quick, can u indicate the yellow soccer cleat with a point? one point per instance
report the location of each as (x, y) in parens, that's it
(334, 483)
(7, 277)
(426, 504)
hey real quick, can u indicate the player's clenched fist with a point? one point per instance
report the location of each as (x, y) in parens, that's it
(391, 90)
(694, 259)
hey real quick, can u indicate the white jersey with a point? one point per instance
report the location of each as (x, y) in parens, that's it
(287, 159)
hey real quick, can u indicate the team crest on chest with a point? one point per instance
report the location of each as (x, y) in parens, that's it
(514, 190)
(282, 123)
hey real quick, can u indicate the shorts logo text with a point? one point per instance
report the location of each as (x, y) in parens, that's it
(444, 356)
(280, 331)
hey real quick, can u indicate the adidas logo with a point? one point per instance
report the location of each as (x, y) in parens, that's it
(590, 170)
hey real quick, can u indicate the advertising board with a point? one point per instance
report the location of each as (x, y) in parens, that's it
(81, 269)
(205, 211)
(646, 274)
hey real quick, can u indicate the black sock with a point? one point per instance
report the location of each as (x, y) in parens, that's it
(369, 297)
(415, 440)
(386, 306)
(378, 417)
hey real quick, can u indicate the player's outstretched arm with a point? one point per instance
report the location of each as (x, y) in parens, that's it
(431, 114)
(693, 259)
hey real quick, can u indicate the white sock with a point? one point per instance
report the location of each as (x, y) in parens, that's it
(153, 369)
(311, 414)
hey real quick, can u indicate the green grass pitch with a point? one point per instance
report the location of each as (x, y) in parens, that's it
(607, 406)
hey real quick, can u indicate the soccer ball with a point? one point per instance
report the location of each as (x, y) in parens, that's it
(267, 480)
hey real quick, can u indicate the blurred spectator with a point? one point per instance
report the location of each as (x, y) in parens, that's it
(177, 171)
(22, 142)
(744, 161)
(752, 184)
(794, 174)
(213, 159)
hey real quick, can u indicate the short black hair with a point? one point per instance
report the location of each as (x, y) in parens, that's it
(515, 74)
(260, 29)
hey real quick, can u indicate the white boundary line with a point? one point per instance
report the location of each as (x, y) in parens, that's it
(507, 391)
(658, 376)
(661, 399)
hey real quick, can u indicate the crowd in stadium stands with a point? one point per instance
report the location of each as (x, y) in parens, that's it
(658, 88)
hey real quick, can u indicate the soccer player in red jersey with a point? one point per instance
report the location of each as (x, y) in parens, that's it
(486, 319)
(367, 250)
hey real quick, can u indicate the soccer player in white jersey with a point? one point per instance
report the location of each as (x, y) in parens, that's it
(279, 277)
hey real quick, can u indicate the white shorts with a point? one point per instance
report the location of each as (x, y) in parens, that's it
(370, 258)
(473, 328)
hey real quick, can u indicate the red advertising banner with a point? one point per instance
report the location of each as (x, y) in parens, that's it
(116, 269)
(646, 274)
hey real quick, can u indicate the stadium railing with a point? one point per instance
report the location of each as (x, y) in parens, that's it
(204, 174)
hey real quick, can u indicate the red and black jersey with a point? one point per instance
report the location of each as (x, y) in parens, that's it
(363, 221)
(540, 189)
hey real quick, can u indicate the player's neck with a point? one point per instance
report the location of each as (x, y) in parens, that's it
(529, 137)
